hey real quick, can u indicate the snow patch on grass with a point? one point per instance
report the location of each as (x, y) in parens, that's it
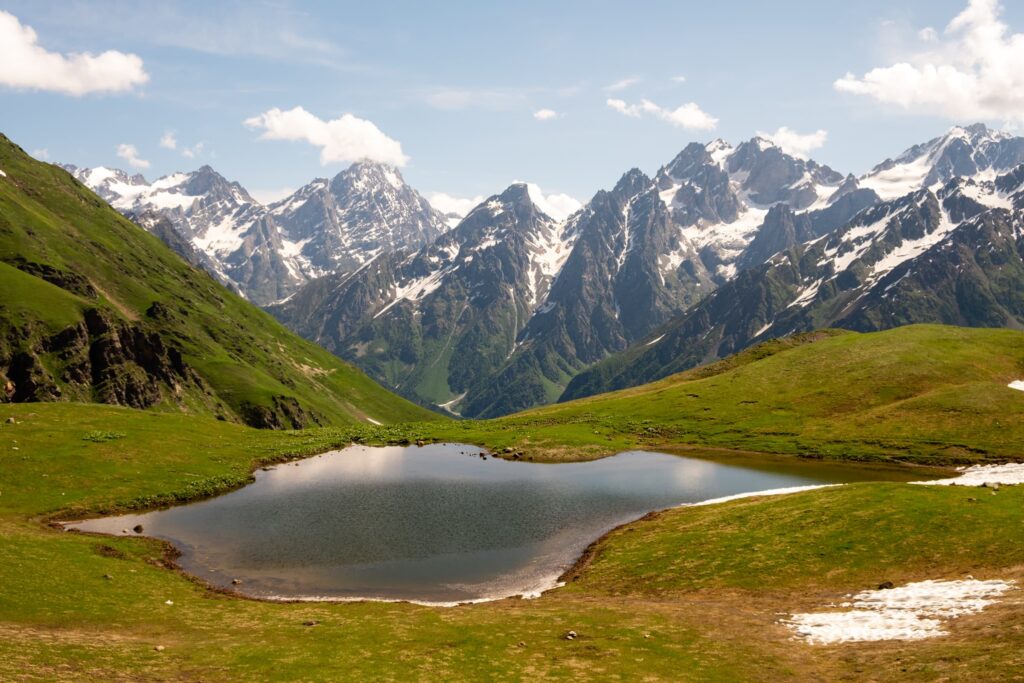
(767, 492)
(911, 612)
(980, 475)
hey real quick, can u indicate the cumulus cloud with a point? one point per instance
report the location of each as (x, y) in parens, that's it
(545, 114)
(168, 141)
(451, 205)
(797, 144)
(975, 70)
(41, 154)
(131, 154)
(344, 139)
(557, 205)
(688, 115)
(25, 64)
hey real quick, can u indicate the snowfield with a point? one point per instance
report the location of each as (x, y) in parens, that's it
(911, 612)
(980, 475)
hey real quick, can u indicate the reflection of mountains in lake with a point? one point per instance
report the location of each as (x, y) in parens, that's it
(432, 523)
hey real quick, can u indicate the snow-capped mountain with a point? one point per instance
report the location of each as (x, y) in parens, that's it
(951, 253)
(267, 252)
(433, 321)
(971, 152)
(365, 210)
(571, 291)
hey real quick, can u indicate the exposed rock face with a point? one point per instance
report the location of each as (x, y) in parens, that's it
(102, 360)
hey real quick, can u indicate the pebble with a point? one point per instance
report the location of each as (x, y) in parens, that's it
(571, 635)
(159, 648)
(168, 602)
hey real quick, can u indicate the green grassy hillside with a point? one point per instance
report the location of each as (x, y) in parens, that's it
(95, 309)
(922, 393)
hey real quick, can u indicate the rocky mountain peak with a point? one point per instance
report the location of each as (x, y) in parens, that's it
(632, 182)
(205, 181)
(367, 176)
(968, 151)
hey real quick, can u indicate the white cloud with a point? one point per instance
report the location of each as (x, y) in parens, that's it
(686, 116)
(975, 70)
(545, 114)
(41, 154)
(193, 151)
(448, 204)
(25, 64)
(168, 141)
(344, 139)
(558, 206)
(272, 195)
(130, 154)
(797, 144)
(679, 79)
(622, 84)
(928, 34)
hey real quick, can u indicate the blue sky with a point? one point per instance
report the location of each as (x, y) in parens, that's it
(457, 84)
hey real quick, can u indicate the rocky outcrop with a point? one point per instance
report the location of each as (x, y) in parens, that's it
(99, 359)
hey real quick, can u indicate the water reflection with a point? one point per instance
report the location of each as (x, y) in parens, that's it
(433, 524)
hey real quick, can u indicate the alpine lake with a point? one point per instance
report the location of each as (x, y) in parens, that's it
(441, 523)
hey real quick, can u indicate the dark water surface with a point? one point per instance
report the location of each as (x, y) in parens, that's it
(437, 523)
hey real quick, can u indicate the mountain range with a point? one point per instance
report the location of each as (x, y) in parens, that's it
(267, 252)
(722, 247)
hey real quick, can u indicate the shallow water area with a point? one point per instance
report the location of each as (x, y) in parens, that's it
(435, 524)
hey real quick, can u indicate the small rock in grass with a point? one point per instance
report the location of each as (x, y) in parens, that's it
(235, 582)
(311, 622)
(11, 421)
(108, 577)
(168, 602)
(886, 585)
(137, 528)
(571, 635)
(508, 449)
(159, 648)
(522, 643)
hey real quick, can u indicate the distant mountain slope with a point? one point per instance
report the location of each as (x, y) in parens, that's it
(97, 309)
(267, 252)
(954, 255)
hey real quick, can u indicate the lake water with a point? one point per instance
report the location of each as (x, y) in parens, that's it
(438, 523)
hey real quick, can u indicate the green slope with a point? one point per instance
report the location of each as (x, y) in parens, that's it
(925, 393)
(95, 309)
